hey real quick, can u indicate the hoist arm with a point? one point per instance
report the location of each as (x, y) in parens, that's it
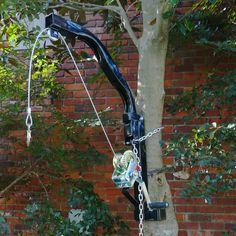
(71, 29)
(133, 122)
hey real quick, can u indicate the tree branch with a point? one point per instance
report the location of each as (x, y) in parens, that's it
(25, 173)
(86, 6)
(126, 23)
(181, 18)
(41, 183)
(72, 5)
(131, 5)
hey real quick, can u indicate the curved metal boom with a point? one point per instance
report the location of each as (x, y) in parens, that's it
(133, 122)
(70, 29)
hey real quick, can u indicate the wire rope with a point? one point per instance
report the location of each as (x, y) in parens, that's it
(29, 120)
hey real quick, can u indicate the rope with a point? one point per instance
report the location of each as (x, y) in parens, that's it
(90, 98)
(29, 121)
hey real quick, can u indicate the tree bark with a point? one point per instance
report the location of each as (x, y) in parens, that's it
(150, 100)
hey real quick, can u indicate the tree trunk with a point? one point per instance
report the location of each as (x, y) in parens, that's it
(150, 100)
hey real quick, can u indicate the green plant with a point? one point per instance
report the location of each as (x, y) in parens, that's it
(60, 148)
(210, 152)
(207, 153)
(91, 214)
(218, 93)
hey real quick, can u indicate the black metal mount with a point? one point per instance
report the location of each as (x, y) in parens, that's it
(133, 122)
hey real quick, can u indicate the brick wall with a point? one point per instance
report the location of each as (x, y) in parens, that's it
(75, 103)
(184, 68)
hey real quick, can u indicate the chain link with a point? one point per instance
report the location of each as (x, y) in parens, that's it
(148, 135)
(140, 192)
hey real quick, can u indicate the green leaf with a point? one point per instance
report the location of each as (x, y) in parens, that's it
(167, 14)
(182, 29)
(212, 1)
(174, 2)
(108, 2)
(207, 178)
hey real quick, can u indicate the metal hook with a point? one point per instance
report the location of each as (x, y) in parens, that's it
(29, 123)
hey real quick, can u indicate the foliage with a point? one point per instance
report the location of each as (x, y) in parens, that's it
(217, 93)
(59, 148)
(14, 63)
(55, 154)
(209, 23)
(51, 138)
(13, 9)
(93, 214)
(112, 23)
(210, 152)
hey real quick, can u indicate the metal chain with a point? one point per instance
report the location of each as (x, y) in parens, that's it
(140, 192)
(148, 135)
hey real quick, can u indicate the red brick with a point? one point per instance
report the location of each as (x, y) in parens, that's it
(91, 72)
(183, 68)
(224, 218)
(73, 86)
(173, 91)
(66, 80)
(67, 108)
(17, 133)
(212, 226)
(224, 201)
(187, 208)
(177, 184)
(213, 209)
(183, 83)
(188, 225)
(168, 83)
(188, 201)
(218, 233)
(133, 56)
(199, 217)
(180, 217)
(72, 102)
(193, 75)
(182, 233)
